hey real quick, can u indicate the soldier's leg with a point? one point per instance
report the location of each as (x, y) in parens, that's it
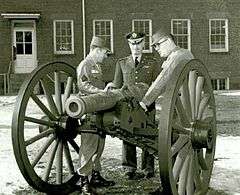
(97, 180)
(129, 157)
(88, 147)
(97, 157)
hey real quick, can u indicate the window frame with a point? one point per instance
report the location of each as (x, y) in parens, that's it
(150, 50)
(226, 49)
(55, 41)
(111, 31)
(218, 83)
(188, 30)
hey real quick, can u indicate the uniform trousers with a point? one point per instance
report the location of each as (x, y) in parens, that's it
(90, 153)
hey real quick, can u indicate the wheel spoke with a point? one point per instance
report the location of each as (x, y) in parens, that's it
(196, 173)
(39, 121)
(203, 105)
(74, 145)
(182, 113)
(178, 145)
(190, 183)
(185, 98)
(183, 177)
(43, 150)
(39, 136)
(68, 158)
(177, 128)
(43, 107)
(201, 160)
(199, 87)
(180, 160)
(45, 84)
(50, 161)
(59, 162)
(58, 96)
(192, 90)
(67, 91)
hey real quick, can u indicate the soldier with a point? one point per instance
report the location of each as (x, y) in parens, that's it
(164, 44)
(89, 80)
(133, 69)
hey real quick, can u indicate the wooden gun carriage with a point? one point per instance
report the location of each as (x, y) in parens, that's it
(182, 135)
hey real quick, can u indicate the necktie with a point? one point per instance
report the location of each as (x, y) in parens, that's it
(136, 61)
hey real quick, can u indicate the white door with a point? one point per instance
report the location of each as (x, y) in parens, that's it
(24, 42)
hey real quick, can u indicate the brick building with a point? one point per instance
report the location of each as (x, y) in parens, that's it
(43, 31)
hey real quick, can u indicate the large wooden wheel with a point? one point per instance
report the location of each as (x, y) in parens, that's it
(42, 134)
(187, 131)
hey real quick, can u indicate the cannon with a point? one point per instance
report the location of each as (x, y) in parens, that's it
(181, 135)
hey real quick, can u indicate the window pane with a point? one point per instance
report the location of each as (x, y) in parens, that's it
(28, 48)
(143, 26)
(19, 48)
(218, 34)
(19, 36)
(63, 36)
(214, 84)
(103, 30)
(180, 32)
(28, 36)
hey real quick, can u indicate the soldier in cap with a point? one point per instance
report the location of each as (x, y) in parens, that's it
(164, 44)
(89, 76)
(135, 69)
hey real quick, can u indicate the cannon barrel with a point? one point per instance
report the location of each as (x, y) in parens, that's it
(78, 105)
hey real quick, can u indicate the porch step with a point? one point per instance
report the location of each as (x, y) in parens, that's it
(16, 81)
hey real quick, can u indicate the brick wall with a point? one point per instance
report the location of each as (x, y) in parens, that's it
(122, 12)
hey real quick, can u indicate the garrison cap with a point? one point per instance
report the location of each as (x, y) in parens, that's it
(98, 42)
(160, 34)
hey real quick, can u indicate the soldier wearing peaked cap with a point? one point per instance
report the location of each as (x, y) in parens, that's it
(89, 75)
(135, 69)
(164, 44)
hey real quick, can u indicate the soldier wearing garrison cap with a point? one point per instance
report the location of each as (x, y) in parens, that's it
(89, 76)
(164, 44)
(135, 69)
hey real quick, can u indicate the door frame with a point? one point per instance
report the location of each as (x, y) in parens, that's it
(34, 40)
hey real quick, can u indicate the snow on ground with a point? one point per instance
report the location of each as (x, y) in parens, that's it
(226, 172)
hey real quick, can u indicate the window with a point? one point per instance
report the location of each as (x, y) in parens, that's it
(23, 42)
(218, 35)
(104, 29)
(63, 37)
(220, 84)
(145, 26)
(181, 30)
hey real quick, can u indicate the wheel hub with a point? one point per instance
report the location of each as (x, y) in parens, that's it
(201, 135)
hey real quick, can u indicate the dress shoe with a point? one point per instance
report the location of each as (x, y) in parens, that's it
(83, 184)
(149, 175)
(98, 181)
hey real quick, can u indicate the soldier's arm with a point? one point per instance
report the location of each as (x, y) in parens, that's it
(84, 76)
(159, 85)
(118, 77)
(156, 69)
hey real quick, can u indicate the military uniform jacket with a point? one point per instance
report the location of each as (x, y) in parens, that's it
(127, 74)
(158, 87)
(89, 76)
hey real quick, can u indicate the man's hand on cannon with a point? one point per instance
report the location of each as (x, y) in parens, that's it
(144, 107)
(110, 86)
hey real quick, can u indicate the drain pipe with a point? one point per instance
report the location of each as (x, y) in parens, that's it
(84, 28)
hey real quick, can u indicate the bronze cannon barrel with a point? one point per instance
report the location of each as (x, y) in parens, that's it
(78, 105)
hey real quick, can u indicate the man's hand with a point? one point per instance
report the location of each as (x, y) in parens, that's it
(109, 86)
(144, 107)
